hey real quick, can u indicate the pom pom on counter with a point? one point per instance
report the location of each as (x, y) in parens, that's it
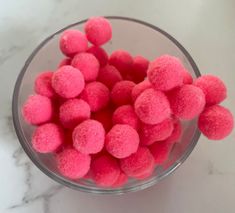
(74, 111)
(87, 64)
(96, 95)
(165, 73)
(105, 170)
(121, 141)
(100, 54)
(68, 82)
(98, 30)
(73, 42)
(125, 114)
(187, 102)
(214, 88)
(216, 122)
(109, 76)
(121, 93)
(37, 109)
(73, 164)
(88, 137)
(152, 106)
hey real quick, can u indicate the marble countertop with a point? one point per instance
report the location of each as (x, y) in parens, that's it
(204, 183)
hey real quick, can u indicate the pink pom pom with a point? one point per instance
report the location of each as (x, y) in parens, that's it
(73, 164)
(88, 137)
(187, 78)
(139, 68)
(98, 30)
(121, 180)
(104, 117)
(87, 64)
(73, 111)
(216, 122)
(105, 170)
(100, 54)
(43, 86)
(96, 95)
(138, 164)
(37, 109)
(68, 82)
(121, 92)
(64, 62)
(121, 141)
(165, 73)
(73, 42)
(47, 138)
(176, 133)
(152, 133)
(187, 102)
(125, 114)
(214, 88)
(152, 107)
(160, 151)
(122, 60)
(139, 88)
(109, 76)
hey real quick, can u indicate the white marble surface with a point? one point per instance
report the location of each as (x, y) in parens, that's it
(204, 183)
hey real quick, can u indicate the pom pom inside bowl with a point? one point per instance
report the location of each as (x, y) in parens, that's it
(149, 39)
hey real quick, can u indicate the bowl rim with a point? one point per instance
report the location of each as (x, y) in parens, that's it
(62, 180)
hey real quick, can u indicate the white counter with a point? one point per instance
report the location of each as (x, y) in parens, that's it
(204, 183)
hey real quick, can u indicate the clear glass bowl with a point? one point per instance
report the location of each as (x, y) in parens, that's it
(135, 36)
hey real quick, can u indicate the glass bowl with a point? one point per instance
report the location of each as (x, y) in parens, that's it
(135, 36)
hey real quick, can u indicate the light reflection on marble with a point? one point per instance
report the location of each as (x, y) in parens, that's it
(204, 183)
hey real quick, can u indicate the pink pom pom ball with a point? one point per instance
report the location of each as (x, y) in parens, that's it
(100, 54)
(139, 88)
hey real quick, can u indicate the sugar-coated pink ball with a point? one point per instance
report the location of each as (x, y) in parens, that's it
(64, 62)
(104, 116)
(139, 68)
(138, 164)
(121, 180)
(187, 77)
(87, 64)
(187, 102)
(89, 136)
(160, 151)
(96, 95)
(42, 84)
(109, 76)
(214, 88)
(122, 60)
(165, 73)
(73, 42)
(73, 111)
(125, 114)
(139, 88)
(98, 30)
(152, 106)
(73, 164)
(121, 93)
(105, 170)
(37, 109)
(121, 141)
(157, 132)
(100, 54)
(216, 122)
(176, 133)
(47, 138)
(68, 82)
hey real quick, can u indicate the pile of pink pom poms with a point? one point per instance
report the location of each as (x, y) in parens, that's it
(113, 117)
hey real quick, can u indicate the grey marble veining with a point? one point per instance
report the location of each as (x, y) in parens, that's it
(204, 183)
